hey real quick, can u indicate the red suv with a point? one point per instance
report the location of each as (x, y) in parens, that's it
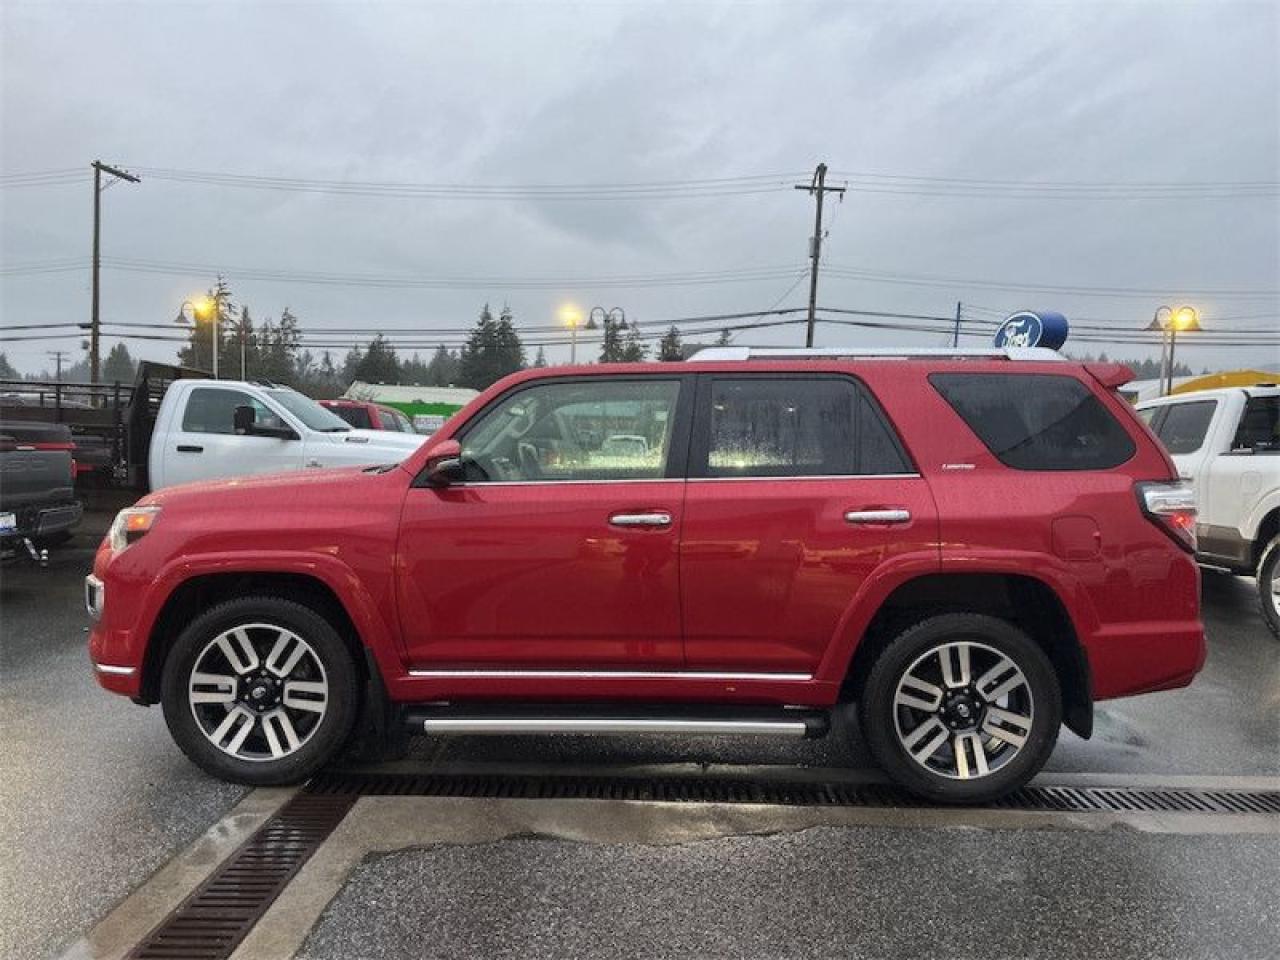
(369, 416)
(972, 547)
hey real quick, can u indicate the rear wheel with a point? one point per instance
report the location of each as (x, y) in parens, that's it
(1269, 586)
(961, 708)
(260, 690)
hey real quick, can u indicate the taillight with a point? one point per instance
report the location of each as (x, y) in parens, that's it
(1171, 506)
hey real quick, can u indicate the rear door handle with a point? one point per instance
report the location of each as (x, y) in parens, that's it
(188, 448)
(887, 515)
(657, 519)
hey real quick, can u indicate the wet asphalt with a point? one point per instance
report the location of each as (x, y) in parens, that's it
(94, 797)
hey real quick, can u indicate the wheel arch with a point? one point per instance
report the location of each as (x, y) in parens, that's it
(1028, 602)
(1268, 529)
(200, 592)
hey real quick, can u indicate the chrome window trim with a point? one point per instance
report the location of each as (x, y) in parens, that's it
(561, 483)
(605, 675)
(814, 476)
(110, 668)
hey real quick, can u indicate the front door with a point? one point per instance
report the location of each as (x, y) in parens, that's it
(798, 490)
(205, 446)
(560, 549)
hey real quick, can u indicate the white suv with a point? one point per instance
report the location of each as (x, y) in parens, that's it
(1227, 443)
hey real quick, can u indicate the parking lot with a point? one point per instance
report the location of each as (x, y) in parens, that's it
(106, 827)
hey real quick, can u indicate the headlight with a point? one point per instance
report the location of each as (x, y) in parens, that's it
(130, 526)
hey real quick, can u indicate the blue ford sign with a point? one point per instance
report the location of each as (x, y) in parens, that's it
(1028, 328)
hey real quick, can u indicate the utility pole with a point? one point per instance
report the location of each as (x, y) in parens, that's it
(57, 359)
(955, 335)
(99, 168)
(816, 188)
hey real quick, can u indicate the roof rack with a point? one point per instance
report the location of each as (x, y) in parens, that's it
(830, 353)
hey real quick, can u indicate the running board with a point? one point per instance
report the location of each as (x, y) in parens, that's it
(591, 719)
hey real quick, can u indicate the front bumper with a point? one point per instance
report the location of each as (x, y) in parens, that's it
(119, 678)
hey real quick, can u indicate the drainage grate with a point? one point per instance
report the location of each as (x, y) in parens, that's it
(210, 923)
(790, 793)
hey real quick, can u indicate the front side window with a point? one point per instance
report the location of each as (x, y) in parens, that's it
(1034, 421)
(812, 426)
(1184, 426)
(314, 416)
(593, 429)
(212, 410)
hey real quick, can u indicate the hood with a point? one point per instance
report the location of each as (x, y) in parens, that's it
(292, 485)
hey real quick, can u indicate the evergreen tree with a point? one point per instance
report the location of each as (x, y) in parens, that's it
(669, 347)
(510, 350)
(540, 358)
(7, 372)
(379, 363)
(443, 369)
(413, 370)
(119, 365)
(633, 349)
(611, 346)
(198, 351)
(487, 357)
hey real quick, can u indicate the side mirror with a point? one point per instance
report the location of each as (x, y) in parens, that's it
(242, 419)
(444, 464)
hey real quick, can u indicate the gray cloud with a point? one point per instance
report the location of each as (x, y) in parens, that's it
(576, 93)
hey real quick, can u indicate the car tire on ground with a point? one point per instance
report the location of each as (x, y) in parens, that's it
(1268, 584)
(260, 690)
(961, 708)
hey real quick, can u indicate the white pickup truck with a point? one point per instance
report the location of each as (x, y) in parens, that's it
(1227, 443)
(211, 429)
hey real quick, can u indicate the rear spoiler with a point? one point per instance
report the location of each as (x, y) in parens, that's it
(1110, 375)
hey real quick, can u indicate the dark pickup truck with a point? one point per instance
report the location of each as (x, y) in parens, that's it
(38, 507)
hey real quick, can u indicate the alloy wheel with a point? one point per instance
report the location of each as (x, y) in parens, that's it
(963, 710)
(258, 692)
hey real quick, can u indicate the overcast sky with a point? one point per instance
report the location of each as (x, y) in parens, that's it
(590, 93)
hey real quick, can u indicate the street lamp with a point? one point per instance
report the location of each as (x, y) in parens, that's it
(571, 317)
(206, 308)
(1185, 319)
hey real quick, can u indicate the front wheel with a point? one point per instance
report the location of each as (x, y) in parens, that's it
(1269, 586)
(961, 708)
(260, 690)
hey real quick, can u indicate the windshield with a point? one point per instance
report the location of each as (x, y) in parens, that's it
(312, 415)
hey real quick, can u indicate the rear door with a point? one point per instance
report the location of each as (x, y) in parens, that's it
(798, 491)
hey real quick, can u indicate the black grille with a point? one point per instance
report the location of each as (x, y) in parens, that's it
(787, 793)
(211, 922)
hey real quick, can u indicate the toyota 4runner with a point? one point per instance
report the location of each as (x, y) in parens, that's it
(972, 547)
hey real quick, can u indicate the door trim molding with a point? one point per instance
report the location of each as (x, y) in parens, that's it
(609, 675)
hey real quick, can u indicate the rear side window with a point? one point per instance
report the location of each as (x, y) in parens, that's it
(1033, 421)
(813, 426)
(1260, 426)
(1183, 427)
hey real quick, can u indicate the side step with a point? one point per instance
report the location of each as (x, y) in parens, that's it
(671, 719)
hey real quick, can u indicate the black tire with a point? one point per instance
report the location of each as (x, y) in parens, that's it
(879, 716)
(1267, 571)
(324, 740)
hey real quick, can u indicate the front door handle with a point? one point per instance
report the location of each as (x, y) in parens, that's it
(189, 448)
(657, 519)
(886, 515)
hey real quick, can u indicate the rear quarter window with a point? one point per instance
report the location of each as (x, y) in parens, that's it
(1033, 421)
